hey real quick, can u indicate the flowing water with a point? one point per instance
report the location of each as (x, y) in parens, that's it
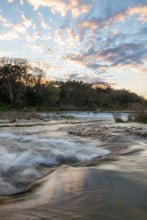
(74, 166)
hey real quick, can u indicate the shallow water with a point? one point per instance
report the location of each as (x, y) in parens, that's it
(75, 166)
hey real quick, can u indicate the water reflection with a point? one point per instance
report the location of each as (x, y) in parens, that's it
(100, 194)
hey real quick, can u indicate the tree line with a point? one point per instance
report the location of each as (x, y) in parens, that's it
(23, 85)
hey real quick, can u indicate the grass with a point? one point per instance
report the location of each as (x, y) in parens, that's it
(3, 106)
(140, 117)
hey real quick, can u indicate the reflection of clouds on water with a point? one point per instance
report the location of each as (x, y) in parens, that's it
(63, 184)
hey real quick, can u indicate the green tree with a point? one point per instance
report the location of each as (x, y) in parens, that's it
(11, 82)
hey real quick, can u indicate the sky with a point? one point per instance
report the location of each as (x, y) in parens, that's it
(88, 40)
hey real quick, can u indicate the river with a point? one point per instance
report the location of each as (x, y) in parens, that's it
(73, 166)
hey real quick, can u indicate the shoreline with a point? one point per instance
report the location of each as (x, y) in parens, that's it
(30, 117)
(30, 113)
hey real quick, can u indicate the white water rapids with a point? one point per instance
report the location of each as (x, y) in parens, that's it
(24, 149)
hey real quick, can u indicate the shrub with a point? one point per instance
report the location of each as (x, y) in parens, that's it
(138, 116)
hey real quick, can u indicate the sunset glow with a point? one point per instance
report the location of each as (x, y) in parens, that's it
(88, 40)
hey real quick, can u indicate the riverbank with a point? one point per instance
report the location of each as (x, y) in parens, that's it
(34, 116)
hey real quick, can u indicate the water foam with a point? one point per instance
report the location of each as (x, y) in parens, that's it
(32, 151)
(21, 155)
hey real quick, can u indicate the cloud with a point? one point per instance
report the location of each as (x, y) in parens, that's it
(18, 27)
(97, 66)
(78, 76)
(89, 24)
(101, 60)
(56, 6)
(36, 36)
(77, 7)
(5, 21)
(69, 36)
(122, 16)
(15, 26)
(8, 36)
(141, 11)
(30, 38)
(21, 2)
(40, 48)
(117, 18)
(76, 58)
(124, 54)
(110, 16)
(46, 66)
(86, 78)
(88, 58)
(48, 51)
(44, 25)
(10, 1)
(58, 36)
(70, 32)
(5, 54)
(144, 31)
(26, 21)
(140, 69)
